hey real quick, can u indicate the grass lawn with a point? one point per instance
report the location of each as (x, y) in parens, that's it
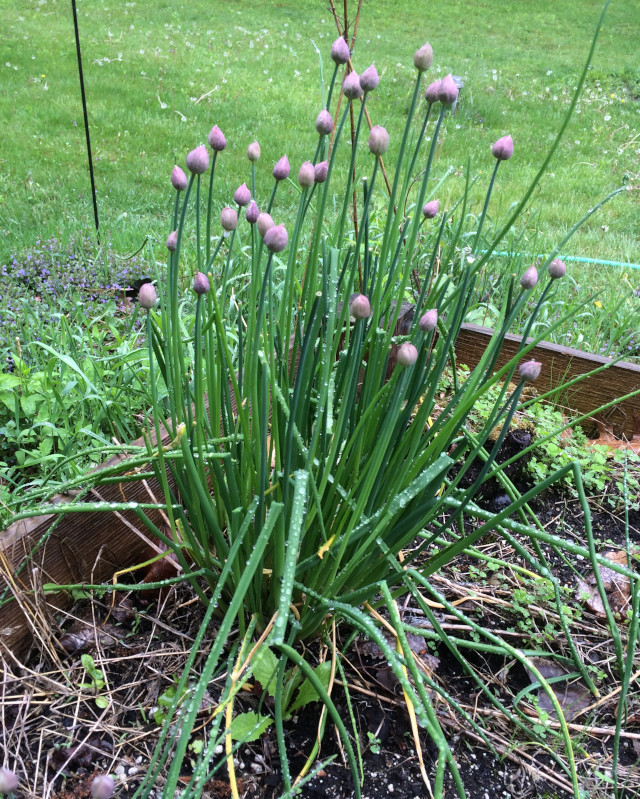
(159, 75)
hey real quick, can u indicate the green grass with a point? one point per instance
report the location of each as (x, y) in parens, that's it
(159, 75)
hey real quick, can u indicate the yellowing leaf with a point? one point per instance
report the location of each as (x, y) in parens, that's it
(325, 547)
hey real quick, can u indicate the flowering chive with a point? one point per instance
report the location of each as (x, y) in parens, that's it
(172, 241)
(265, 223)
(423, 57)
(229, 218)
(252, 213)
(276, 238)
(102, 787)
(557, 269)
(502, 149)
(147, 296)
(530, 370)
(340, 51)
(369, 79)
(201, 283)
(178, 178)
(378, 140)
(430, 209)
(448, 91)
(242, 195)
(253, 151)
(198, 160)
(530, 278)
(429, 321)
(282, 169)
(324, 122)
(217, 140)
(306, 175)
(432, 93)
(8, 781)
(351, 86)
(359, 306)
(407, 354)
(321, 171)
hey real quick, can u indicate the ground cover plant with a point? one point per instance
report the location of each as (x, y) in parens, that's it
(327, 486)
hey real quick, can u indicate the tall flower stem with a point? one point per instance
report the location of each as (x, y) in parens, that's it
(391, 208)
(486, 206)
(209, 204)
(351, 172)
(311, 271)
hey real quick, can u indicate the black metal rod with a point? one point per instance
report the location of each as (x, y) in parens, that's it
(86, 120)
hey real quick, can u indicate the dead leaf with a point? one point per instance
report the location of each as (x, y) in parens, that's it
(83, 754)
(84, 637)
(572, 696)
(617, 587)
(607, 439)
(123, 609)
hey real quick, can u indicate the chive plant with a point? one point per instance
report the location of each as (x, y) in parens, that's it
(306, 399)
(310, 442)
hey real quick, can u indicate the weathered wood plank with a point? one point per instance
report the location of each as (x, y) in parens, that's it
(562, 364)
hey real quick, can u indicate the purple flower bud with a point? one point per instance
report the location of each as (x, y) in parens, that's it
(557, 269)
(201, 283)
(423, 58)
(265, 223)
(198, 160)
(530, 370)
(147, 296)
(172, 241)
(217, 140)
(378, 140)
(276, 238)
(359, 306)
(503, 148)
(430, 209)
(242, 195)
(8, 781)
(369, 79)
(351, 86)
(321, 171)
(102, 787)
(448, 91)
(340, 51)
(530, 278)
(282, 169)
(324, 122)
(432, 94)
(229, 218)
(252, 213)
(253, 151)
(178, 178)
(306, 175)
(429, 321)
(407, 354)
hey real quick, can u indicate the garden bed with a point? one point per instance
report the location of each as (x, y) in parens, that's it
(95, 549)
(62, 736)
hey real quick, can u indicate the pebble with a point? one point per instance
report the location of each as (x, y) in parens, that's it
(390, 787)
(133, 770)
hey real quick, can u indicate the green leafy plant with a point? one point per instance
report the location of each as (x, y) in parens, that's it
(297, 692)
(96, 682)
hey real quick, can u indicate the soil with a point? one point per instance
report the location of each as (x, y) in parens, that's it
(58, 738)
